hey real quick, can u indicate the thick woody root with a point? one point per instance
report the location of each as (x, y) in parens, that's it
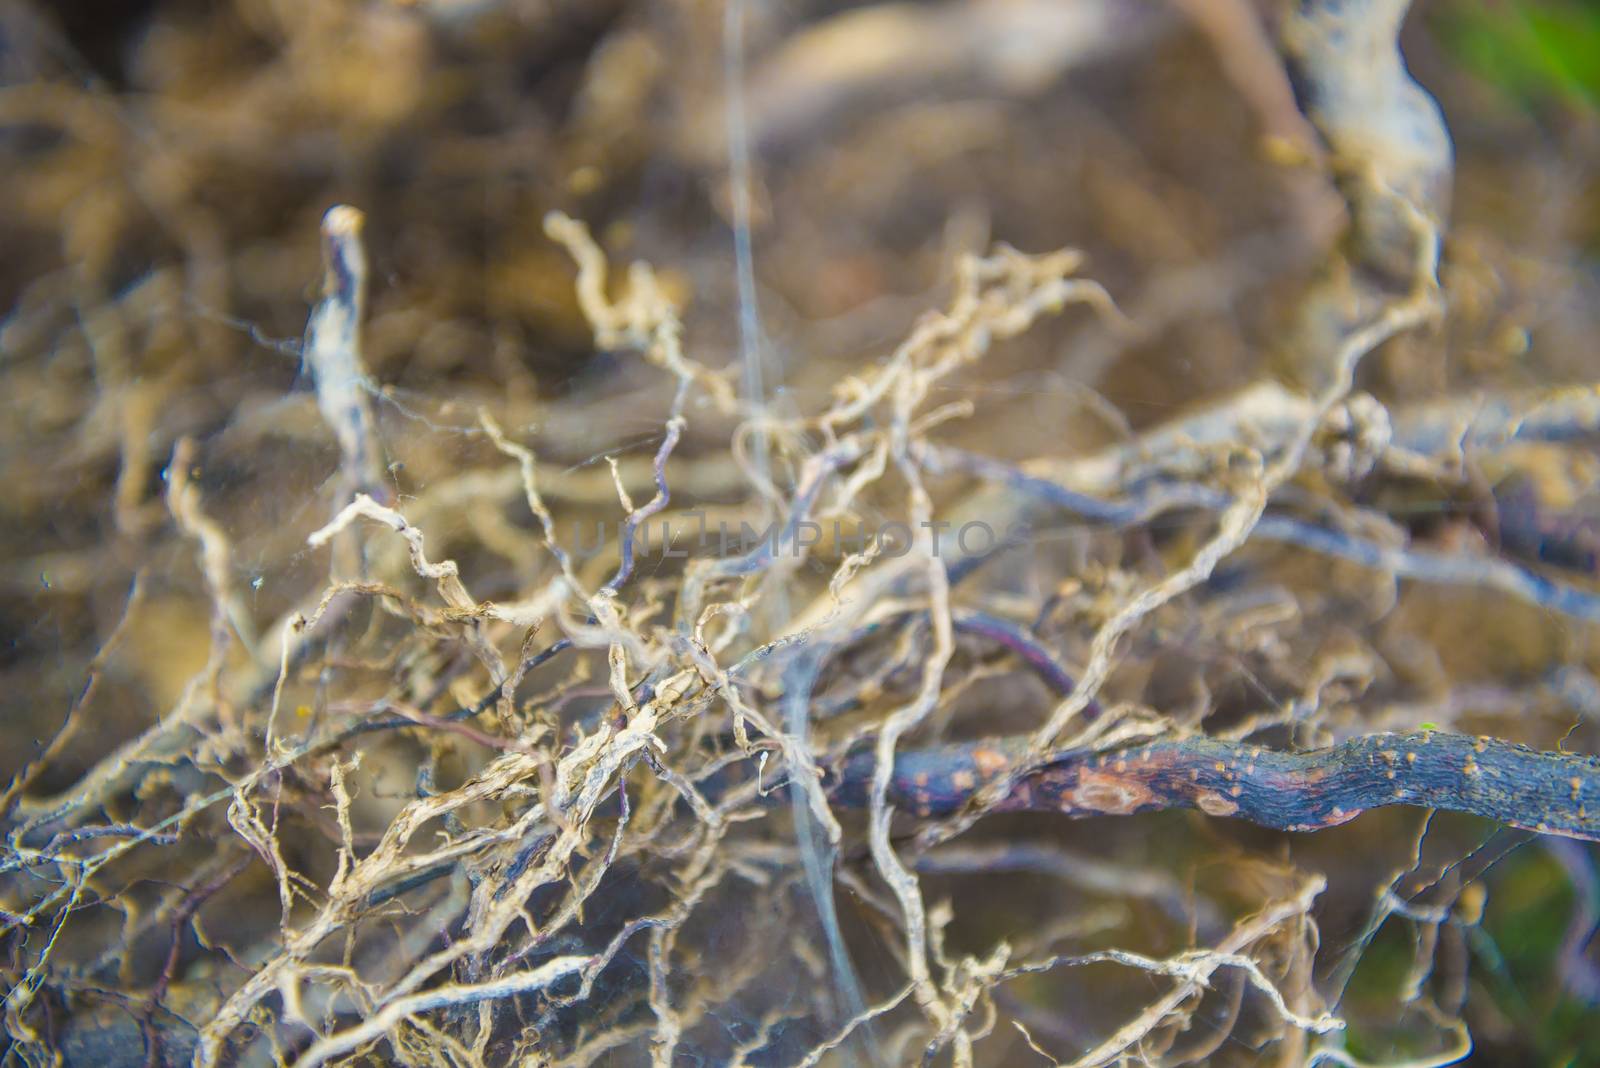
(1552, 793)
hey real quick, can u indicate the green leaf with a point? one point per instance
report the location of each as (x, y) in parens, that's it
(1535, 51)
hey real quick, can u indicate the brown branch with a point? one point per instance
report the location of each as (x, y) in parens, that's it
(1553, 793)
